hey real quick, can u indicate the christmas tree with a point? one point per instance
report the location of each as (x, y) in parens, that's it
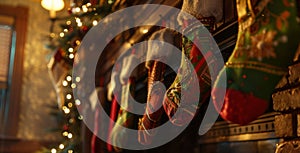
(83, 15)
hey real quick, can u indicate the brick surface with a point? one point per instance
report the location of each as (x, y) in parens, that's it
(287, 99)
(283, 125)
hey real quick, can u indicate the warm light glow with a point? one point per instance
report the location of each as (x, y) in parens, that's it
(79, 24)
(52, 35)
(70, 50)
(73, 85)
(131, 41)
(66, 30)
(77, 79)
(67, 111)
(77, 19)
(71, 120)
(110, 1)
(53, 150)
(77, 42)
(84, 8)
(61, 34)
(69, 96)
(71, 56)
(61, 146)
(77, 9)
(65, 83)
(77, 102)
(80, 117)
(70, 105)
(53, 6)
(69, 78)
(70, 151)
(65, 133)
(95, 22)
(68, 22)
(70, 135)
(144, 31)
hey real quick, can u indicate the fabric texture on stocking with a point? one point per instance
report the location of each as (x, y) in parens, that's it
(125, 118)
(268, 38)
(98, 94)
(113, 94)
(156, 70)
(172, 101)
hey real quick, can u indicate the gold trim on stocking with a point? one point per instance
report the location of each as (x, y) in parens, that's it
(246, 20)
(258, 66)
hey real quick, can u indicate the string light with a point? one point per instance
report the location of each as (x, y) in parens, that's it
(61, 146)
(73, 85)
(70, 151)
(65, 83)
(66, 30)
(70, 135)
(69, 78)
(84, 8)
(53, 150)
(68, 22)
(79, 24)
(61, 34)
(110, 1)
(88, 4)
(80, 117)
(144, 31)
(95, 22)
(77, 79)
(77, 42)
(52, 35)
(71, 120)
(71, 56)
(70, 105)
(77, 102)
(77, 19)
(68, 96)
(65, 133)
(66, 110)
(70, 50)
(77, 9)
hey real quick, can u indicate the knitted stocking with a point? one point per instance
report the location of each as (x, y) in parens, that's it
(114, 87)
(125, 118)
(151, 119)
(267, 41)
(99, 93)
(154, 111)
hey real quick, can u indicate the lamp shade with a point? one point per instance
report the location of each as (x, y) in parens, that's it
(53, 6)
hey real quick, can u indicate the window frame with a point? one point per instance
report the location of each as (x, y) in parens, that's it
(12, 115)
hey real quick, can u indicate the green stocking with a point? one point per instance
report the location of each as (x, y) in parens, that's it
(268, 38)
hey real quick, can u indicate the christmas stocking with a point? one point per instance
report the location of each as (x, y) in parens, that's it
(190, 52)
(58, 70)
(98, 94)
(267, 41)
(113, 87)
(125, 118)
(154, 111)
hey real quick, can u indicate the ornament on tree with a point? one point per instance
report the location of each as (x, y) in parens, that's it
(268, 38)
(125, 117)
